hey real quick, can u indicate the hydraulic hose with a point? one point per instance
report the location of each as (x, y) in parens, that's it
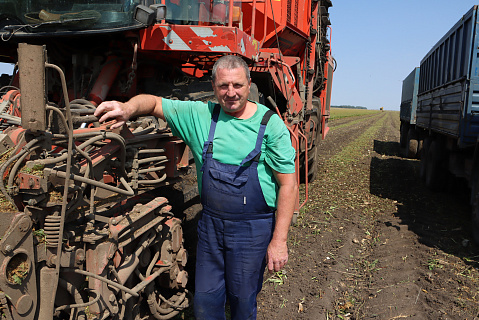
(6, 164)
(107, 281)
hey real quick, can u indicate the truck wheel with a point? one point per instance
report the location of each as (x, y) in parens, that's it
(411, 144)
(435, 171)
(475, 213)
(423, 164)
(403, 132)
(420, 144)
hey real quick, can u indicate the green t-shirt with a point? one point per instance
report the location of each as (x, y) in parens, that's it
(234, 139)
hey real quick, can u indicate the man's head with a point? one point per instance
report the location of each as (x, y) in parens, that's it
(231, 83)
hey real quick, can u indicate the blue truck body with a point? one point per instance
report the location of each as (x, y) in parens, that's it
(410, 87)
(448, 96)
(442, 125)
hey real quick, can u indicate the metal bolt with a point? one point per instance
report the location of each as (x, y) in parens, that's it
(8, 248)
(80, 256)
(114, 222)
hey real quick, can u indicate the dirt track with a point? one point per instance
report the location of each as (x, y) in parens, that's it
(372, 242)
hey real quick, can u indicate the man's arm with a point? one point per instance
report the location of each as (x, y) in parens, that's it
(138, 105)
(277, 255)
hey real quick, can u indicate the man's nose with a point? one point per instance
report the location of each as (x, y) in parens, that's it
(231, 90)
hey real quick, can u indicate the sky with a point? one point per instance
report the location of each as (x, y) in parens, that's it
(377, 43)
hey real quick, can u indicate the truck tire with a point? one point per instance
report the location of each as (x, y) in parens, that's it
(403, 132)
(475, 221)
(420, 144)
(436, 172)
(475, 211)
(423, 164)
(411, 144)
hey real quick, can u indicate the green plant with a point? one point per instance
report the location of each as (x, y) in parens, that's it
(434, 264)
(277, 278)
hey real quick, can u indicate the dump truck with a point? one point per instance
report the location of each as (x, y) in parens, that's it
(440, 112)
(88, 230)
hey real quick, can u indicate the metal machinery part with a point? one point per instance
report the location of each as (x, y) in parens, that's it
(89, 227)
(90, 232)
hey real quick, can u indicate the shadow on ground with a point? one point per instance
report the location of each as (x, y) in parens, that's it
(440, 220)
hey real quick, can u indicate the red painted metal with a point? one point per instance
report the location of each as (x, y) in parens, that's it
(123, 231)
(29, 181)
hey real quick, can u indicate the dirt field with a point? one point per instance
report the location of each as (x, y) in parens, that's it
(372, 242)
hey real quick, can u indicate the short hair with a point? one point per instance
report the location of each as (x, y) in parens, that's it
(230, 62)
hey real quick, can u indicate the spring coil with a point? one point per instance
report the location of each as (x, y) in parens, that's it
(52, 230)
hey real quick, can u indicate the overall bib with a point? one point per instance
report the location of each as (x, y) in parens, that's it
(234, 232)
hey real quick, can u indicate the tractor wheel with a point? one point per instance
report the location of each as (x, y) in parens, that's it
(312, 155)
(254, 94)
(313, 163)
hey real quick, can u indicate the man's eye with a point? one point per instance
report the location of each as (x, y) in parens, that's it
(238, 86)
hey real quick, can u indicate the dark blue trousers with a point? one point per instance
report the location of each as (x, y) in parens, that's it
(230, 263)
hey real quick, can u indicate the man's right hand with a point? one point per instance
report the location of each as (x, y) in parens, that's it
(138, 105)
(114, 110)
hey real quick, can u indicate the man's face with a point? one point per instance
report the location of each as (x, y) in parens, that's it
(231, 88)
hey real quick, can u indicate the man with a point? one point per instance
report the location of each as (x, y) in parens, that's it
(247, 173)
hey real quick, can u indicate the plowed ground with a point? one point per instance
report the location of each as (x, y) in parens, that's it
(373, 242)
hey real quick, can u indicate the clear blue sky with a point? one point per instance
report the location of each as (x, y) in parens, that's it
(377, 43)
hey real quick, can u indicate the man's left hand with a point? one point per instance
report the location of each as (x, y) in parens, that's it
(277, 255)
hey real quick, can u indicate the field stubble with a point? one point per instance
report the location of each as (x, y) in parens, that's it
(373, 242)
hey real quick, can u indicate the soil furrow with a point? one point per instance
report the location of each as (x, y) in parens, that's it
(372, 242)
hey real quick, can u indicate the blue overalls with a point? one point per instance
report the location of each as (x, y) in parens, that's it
(234, 232)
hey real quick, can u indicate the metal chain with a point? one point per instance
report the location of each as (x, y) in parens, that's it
(129, 83)
(132, 74)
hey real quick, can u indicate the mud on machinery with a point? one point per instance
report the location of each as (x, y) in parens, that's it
(85, 233)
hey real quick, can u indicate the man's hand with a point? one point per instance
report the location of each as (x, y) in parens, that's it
(122, 112)
(113, 110)
(277, 255)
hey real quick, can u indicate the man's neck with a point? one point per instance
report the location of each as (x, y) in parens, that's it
(247, 112)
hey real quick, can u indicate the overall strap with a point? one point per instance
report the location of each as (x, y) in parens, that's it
(256, 153)
(211, 134)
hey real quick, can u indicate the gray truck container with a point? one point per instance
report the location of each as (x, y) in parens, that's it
(443, 126)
